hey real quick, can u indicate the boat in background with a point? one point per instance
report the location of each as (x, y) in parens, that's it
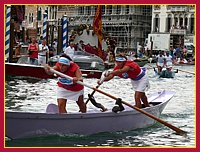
(26, 70)
(29, 124)
(91, 66)
(165, 73)
(185, 64)
(141, 62)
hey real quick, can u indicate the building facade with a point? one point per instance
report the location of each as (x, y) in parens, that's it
(174, 19)
(127, 24)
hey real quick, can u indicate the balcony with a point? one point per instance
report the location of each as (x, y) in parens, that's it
(178, 31)
(179, 9)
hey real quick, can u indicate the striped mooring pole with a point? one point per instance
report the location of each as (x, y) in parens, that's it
(45, 26)
(7, 42)
(65, 32)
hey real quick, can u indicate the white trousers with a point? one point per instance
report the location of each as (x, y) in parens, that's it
(41, 60)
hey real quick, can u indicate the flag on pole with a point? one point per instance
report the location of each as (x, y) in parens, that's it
(97, 25)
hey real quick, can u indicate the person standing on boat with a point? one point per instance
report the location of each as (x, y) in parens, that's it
(160, 61)
(168, 62)
(43, 53)
(68, 89)
(70, 50)
(33, 51)
(129, 69)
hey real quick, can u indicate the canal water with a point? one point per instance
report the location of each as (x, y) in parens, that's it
(33, 95)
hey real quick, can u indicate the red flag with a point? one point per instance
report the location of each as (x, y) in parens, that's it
(97, 25)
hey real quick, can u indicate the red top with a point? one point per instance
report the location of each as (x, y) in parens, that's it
(67, 83)
(133, 73)
(34, 54)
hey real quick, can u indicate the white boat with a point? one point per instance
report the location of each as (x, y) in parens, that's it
(25, 124)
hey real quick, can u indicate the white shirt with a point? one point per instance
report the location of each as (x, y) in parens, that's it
(69, 51)
(168, 59)
(42, 47)
(160, 59)
(55, 45)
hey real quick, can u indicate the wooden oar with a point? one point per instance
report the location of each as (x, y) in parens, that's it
(101, 81)
(134, 107)
(185, 71)
(92, 94)
(91, 98)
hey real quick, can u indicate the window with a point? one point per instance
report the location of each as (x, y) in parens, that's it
(39, 14)
(156, 23)
(88, 10)
(186, 22)
(30, 18)
(109, 8)
(127, 9)
(103, 9)
(80, 10)
(118, 9)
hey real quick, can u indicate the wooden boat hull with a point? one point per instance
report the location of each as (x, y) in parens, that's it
(24, 124)
(27, 70)
(15, 69)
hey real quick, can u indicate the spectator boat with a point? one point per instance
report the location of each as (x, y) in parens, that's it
(91, 66)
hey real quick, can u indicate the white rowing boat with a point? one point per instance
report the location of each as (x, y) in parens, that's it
(25, 124)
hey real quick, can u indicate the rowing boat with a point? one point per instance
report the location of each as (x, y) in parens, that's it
(165, 73)
(29, 124)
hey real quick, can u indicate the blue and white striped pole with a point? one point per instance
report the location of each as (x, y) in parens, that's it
(7, 42)
(45, 26)
(65, 32)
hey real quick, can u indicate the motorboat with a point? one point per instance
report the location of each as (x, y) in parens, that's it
(90, 65)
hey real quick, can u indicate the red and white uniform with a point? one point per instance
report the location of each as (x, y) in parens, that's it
(67, 89)
(139, 79)
(67, 83)
(133, 73)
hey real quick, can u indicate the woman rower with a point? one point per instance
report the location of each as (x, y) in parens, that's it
(68, 89)
(129, 69)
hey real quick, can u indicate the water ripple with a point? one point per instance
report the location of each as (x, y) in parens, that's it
(34, 95)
